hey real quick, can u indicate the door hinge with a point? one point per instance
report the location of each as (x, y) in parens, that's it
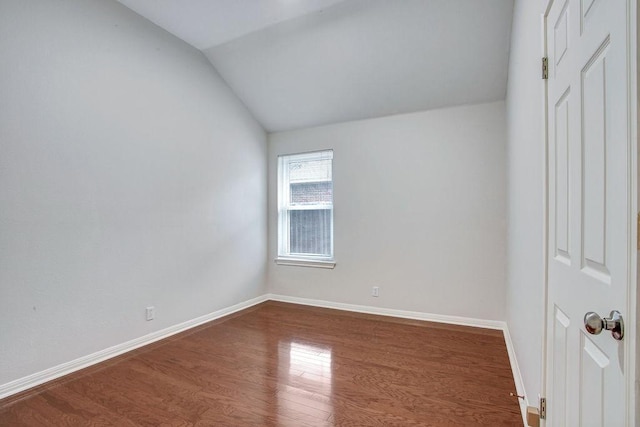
(545, 68)
(638, 231)
(543, 408)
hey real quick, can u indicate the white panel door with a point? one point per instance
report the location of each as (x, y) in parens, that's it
(589, 210)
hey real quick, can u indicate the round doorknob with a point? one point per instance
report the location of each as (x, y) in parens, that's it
(594, 324)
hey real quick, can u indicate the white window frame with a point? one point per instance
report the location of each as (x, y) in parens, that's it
(285, 257)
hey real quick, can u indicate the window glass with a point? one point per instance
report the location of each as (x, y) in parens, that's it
(305, 205)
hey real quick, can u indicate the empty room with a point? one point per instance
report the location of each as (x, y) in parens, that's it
(319, 213)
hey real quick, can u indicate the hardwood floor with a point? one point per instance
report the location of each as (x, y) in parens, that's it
(280, 364)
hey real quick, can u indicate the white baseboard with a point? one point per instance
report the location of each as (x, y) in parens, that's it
(42, 377)
(517, 375)
(414, 315)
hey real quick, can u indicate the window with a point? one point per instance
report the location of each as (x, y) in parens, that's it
(305, 209)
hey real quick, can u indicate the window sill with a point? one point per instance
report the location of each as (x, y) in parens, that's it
(300, 262)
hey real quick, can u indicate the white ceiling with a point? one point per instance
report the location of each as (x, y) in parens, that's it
(301, 63)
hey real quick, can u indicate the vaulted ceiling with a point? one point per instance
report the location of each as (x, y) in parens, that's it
(301, 63)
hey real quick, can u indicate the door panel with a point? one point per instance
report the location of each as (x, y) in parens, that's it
(562, 178)
(589, 209)
(594, 146)
(560, 373)
(594, 363)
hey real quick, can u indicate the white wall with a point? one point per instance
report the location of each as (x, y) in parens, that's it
(525, 194)
(419, 211)
(130, 176)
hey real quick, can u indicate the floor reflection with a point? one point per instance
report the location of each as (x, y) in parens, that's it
(306, 386)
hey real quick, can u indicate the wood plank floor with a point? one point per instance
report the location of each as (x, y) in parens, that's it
(280, 364)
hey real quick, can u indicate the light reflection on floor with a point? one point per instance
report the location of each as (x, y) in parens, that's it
(305, 375)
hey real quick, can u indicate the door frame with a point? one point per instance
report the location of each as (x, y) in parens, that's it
(632, 310)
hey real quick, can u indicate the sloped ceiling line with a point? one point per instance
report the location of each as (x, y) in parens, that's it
(299, 64)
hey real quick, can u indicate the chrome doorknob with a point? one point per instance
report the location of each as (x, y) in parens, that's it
(594, 324)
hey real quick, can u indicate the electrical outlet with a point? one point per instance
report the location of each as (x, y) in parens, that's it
(151, 313)
(375, 291)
